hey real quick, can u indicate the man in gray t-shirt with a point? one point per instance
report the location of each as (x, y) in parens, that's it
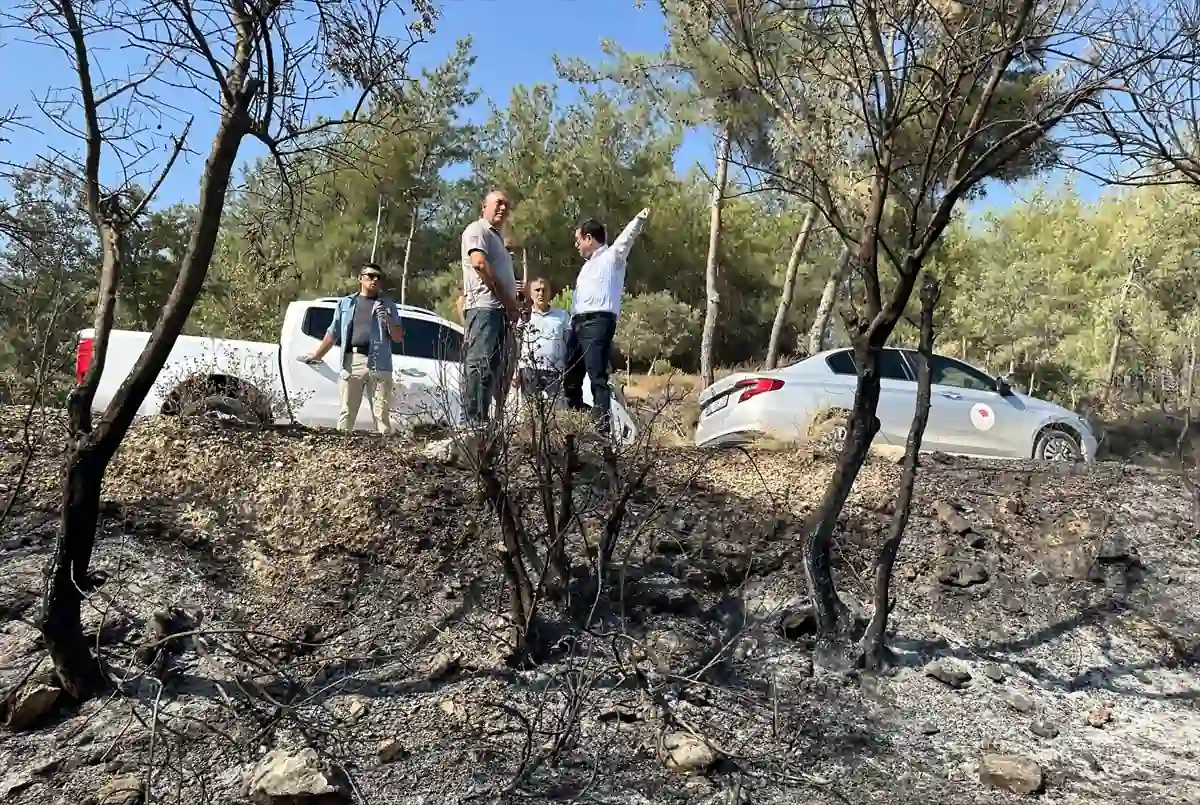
(490, 306)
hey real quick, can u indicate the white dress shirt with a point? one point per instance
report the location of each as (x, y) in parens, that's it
(544, 340)
(602, 278)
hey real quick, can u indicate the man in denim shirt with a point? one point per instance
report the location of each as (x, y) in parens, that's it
(364, 326)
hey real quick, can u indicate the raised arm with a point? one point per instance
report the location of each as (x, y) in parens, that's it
(624, 241)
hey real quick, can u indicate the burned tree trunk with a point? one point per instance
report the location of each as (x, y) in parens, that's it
(68, 578)
(874, 648)
(789, 286)
(93, 446)
(521, 598)
(818, 536)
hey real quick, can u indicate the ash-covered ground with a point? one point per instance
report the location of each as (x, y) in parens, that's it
(340, 607)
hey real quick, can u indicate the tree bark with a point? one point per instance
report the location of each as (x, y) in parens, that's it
(1192, 488)
(66, 577)
(1115, 351)
(1189, 389)
(707, 369)
(378, 221)
(93, 448)
(874, 648)
(816, 335)
(412, 232)
(818, 531)
(789, 286)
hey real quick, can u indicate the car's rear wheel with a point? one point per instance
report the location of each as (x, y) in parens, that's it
(1054, 444)
(827, 433)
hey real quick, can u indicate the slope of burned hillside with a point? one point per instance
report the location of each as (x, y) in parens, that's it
(342, 596)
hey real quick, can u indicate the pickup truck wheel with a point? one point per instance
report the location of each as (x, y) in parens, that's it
(1058, 446)
(222, 408)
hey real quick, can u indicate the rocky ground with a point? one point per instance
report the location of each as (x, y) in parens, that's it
(329, 614)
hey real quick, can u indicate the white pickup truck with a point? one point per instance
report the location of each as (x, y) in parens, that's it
(271, 382)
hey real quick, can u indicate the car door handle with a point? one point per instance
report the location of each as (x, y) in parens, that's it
(951, 395)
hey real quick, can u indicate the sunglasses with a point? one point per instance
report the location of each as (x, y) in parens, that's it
(370, 276)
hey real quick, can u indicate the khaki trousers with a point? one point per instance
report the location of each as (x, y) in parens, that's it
(357, 379)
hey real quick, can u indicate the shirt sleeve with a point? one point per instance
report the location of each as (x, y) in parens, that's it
(334, 333)
(394, 311)
(624, 241)
(474, 240)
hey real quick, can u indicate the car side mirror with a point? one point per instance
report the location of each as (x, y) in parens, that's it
(1003, 388)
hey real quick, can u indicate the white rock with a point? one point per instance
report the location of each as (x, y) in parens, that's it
(284, 777)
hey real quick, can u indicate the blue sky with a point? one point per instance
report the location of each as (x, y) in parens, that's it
(514, 41)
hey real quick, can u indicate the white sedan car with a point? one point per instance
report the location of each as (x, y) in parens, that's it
(971, 413)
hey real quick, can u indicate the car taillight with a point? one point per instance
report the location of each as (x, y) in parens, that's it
(83, 359)
(752, 387)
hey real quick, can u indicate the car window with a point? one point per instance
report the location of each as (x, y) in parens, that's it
(842, 363)
(891, 364)
(949, 372)
(317, 321)
(429, 340)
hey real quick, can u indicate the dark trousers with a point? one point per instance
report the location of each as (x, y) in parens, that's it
(485, 362)
(540, 381)
(589, 346)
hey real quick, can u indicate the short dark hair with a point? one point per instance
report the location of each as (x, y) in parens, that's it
(544, 281)
(590, 226)
(369, 266)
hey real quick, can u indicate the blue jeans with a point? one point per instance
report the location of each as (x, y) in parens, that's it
(485, 362)
(589, 347)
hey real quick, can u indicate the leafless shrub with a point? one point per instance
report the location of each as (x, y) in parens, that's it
(560, 496)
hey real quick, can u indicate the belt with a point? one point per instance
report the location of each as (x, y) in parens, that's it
(595, 314)
(364, 349)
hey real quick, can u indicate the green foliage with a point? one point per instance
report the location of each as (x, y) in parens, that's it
(1033, 291)
(1036, 291)
(597, 156)
(48, 271)
(656, 326)
(46, 277)
(562, 299)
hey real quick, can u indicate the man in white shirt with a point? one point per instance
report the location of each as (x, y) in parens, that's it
(543, 357)
(595, 306)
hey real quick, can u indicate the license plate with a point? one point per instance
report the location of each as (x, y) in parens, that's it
(716, 405)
